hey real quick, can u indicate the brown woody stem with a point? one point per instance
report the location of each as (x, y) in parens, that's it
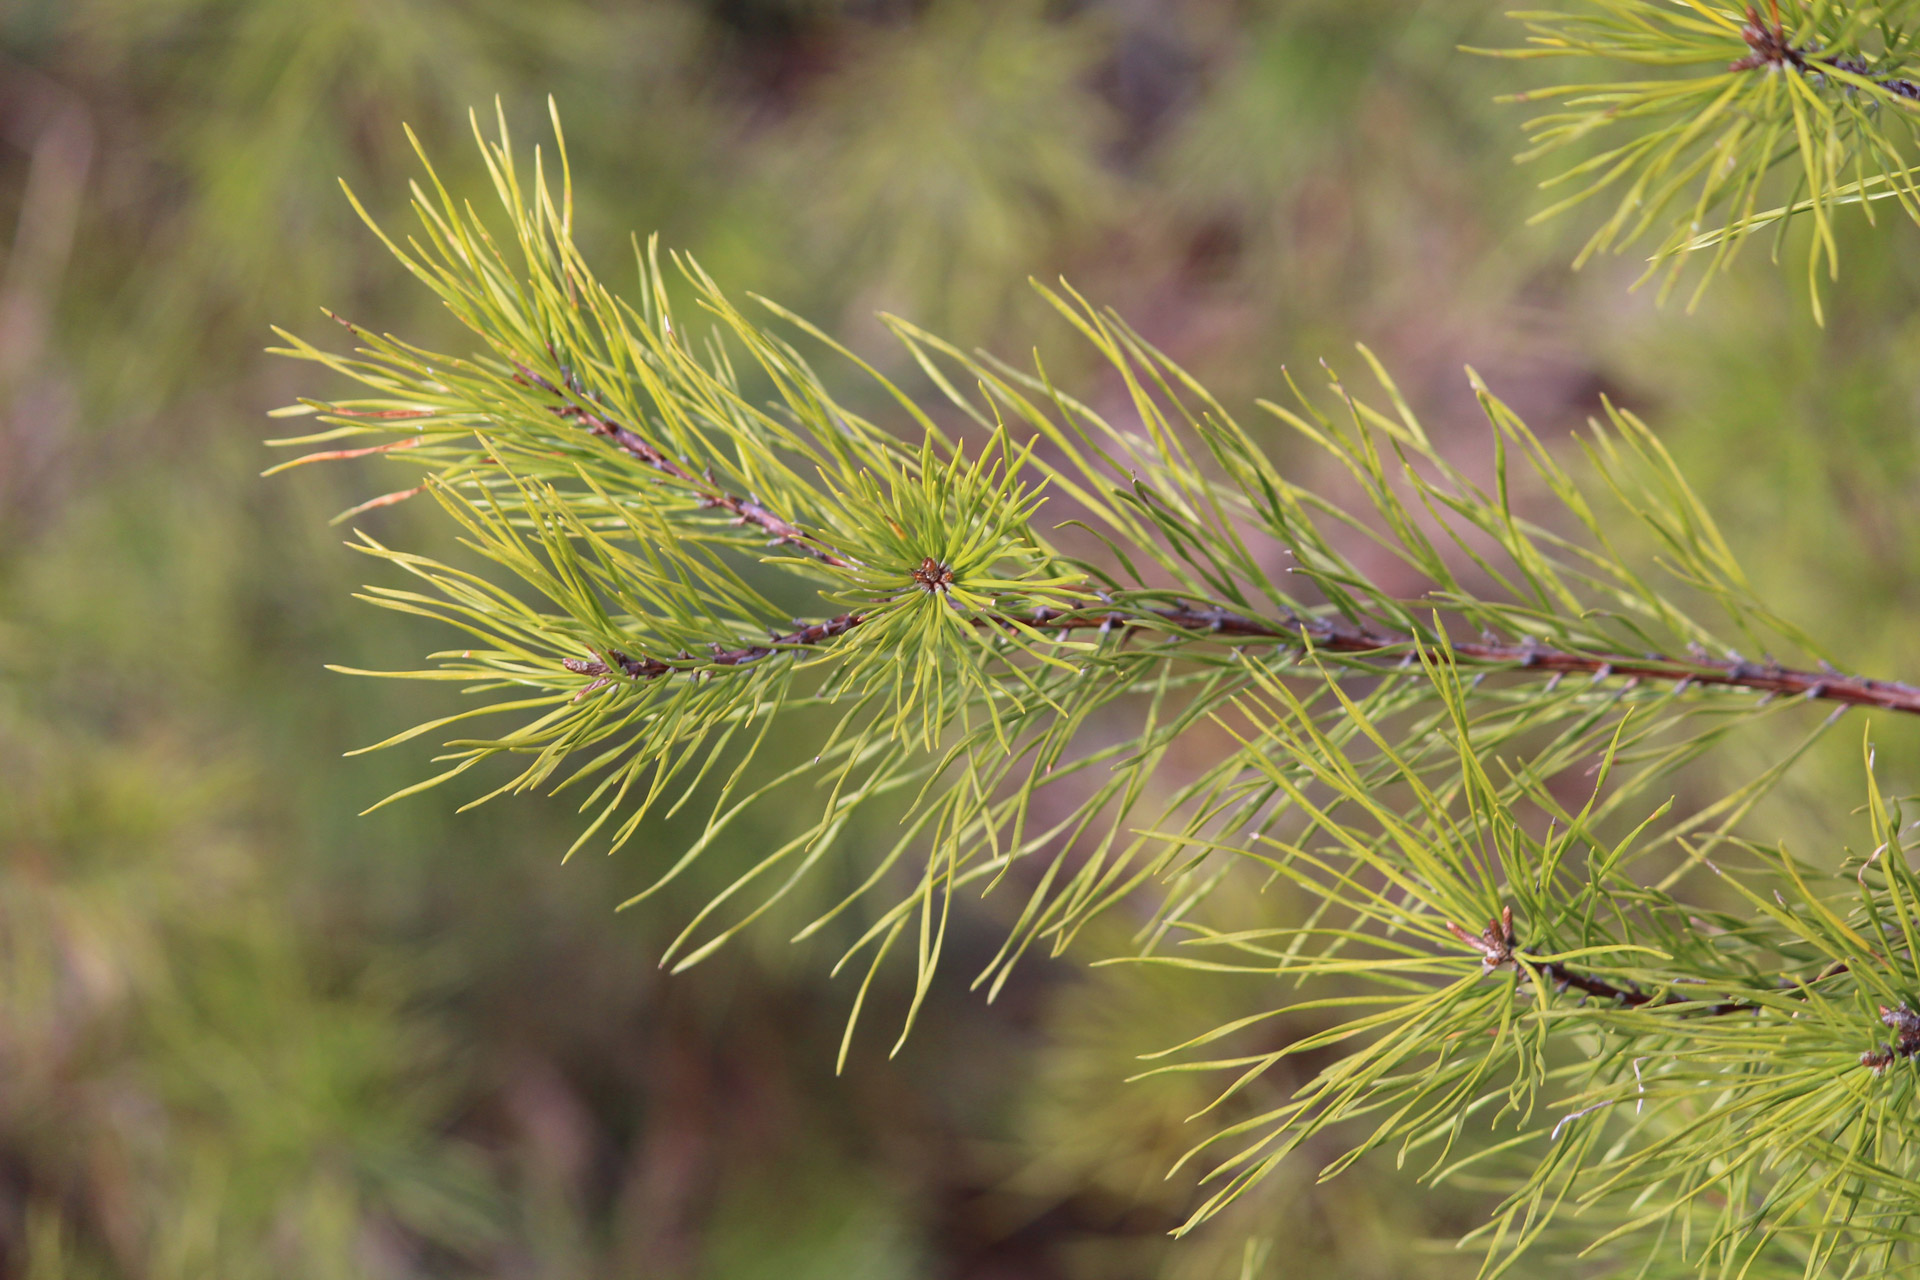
(645, 668)
(745, 510)
(1498, 947)
(1768, 46)
(1341, 636)
(1630, 996)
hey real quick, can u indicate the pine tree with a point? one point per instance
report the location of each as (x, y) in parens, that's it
(1092, 641)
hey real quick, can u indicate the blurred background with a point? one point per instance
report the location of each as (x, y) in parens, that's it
(245, 1033)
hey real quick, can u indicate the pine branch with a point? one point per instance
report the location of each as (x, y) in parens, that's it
(1731, 117)
(940, 574)
(594, 459)
(1338, 636)
(1663, 1088)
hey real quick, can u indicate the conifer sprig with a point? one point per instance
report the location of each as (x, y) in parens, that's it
(1637, 1055)
(1738, 118)
(1004, 631)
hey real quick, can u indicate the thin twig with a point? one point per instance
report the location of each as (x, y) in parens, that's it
(1337, 635)
(1341, 636)
(1498, 946)
(745, 510)
(645, 668)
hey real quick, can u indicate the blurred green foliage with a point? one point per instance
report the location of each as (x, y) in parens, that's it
(244, 1033)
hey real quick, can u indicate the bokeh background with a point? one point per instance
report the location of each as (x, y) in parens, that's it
(246, 1033)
